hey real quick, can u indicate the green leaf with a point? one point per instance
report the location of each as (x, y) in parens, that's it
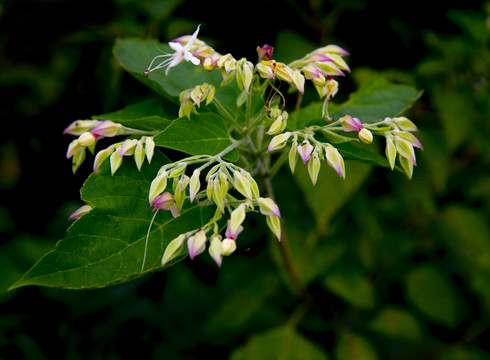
(330, 192)
(399, 323)
(353, 346)
(377, 99)
(373, 101)
(350, 284)
(352, 152)
(135, 55)
(434, 295)
(281, 343)
(202, 134)
(145, 115)
(107, 245)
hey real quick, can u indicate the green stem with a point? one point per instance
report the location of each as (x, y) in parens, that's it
(223, 112)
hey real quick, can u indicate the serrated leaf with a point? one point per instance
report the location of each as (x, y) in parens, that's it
(281, 343)
(106, 246)
(201, 134)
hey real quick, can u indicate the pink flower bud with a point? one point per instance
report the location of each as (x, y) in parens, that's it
(85, 209)
(163, 201)
(304, 150)
(268, 207)
(106, 128)
(196, 244)
(265, 52)
(350, 123)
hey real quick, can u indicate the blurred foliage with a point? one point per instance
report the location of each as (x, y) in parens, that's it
(395, 269)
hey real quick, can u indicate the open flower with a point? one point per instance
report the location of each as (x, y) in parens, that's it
(182, 52)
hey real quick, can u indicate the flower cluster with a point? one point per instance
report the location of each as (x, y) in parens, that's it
(90, 131)
(221, 179)
(310, 151)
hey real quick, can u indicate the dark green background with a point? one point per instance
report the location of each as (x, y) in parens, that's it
(396, 268)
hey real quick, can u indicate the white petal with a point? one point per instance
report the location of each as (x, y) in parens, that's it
(192, 39)
(176, 46)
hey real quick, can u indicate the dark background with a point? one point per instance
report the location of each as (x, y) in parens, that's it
(56, 66)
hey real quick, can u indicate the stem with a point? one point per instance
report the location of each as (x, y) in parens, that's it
(286, 256)
(222, 110)
(146, 241)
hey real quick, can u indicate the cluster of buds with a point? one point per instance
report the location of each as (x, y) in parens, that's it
(310, 154)
(320, 66)
(350, 124)
(218, 247)
(398, 134)
(279, 119)
(89, 132)
(191, 98)
(271, 69)
(400, 140)
(220, 179)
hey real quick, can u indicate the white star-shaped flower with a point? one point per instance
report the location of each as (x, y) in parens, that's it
(182, 52)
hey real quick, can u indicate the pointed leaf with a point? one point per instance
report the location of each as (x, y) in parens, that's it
(203, 133)
(107, 245)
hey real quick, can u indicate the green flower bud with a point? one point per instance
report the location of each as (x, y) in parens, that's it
(365, 136)
(274, 224)
(173, 249)
(314, 167)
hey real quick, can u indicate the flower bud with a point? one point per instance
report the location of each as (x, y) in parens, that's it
(405, 149)
(265, 52)
(404, 124)
(149, 148)
(274, 225)
(293, 154)
(158, 185)
(139, 155)
(216, 250)
(107, 128)
(335, 160)
(73, 148)
(278, 141)
(265, 70)
(85, 209)
(350, 123)
(194, 184)
(180, 192)
(196, 244)
(173, 249)
(390, 151)
(407, 166)
(365, 136)
(331, 87)
(228, 246)
(268, 207)
(242, 185)
(235, 223)
(101, 156)
(80, 126)
(314, 167)
(164, 201)
(304, 150)
(116, 160)
(405, 135)
(128, 147)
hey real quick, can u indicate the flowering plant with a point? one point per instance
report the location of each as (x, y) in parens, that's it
(236, 122)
